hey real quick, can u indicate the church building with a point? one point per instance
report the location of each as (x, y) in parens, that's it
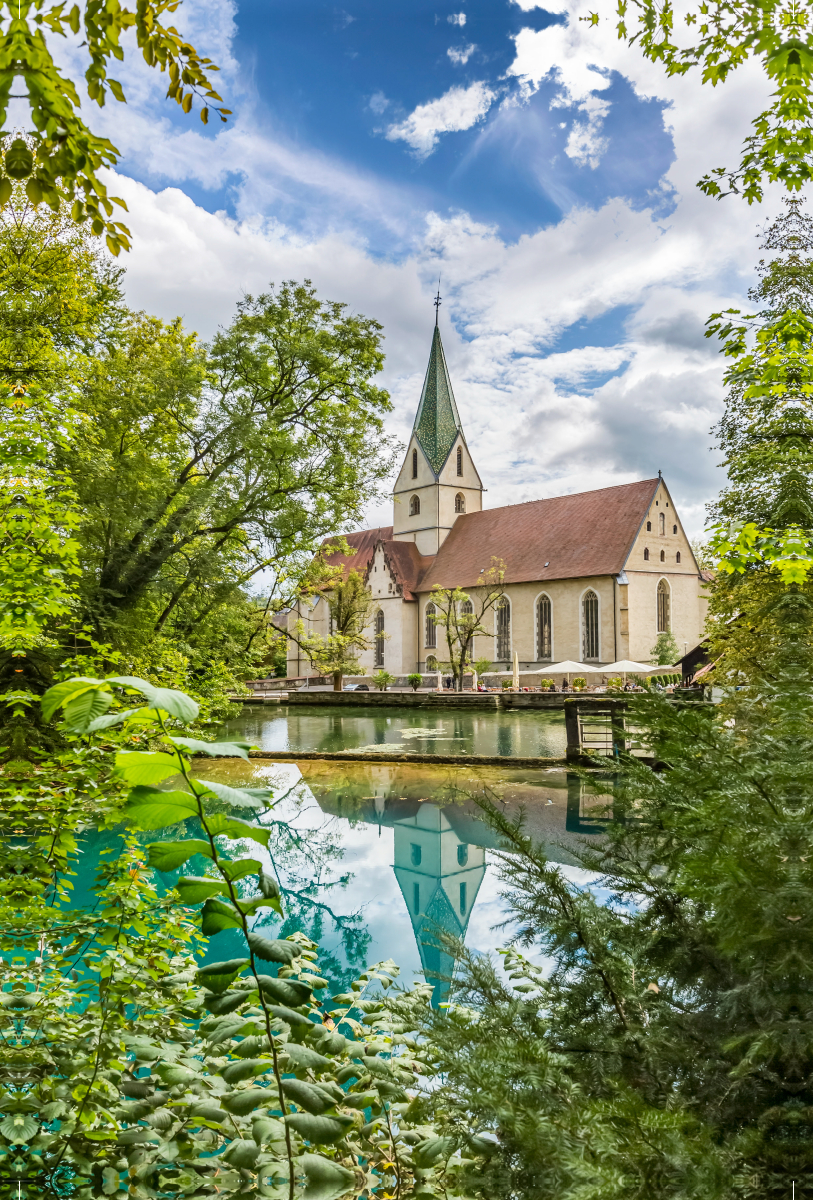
(593, 577)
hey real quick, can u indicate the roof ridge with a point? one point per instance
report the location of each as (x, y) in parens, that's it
(613, 487)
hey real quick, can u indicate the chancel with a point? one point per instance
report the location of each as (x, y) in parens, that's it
(594, 577)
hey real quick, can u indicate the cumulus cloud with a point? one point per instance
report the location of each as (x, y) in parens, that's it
(457, 109)
(460, 55)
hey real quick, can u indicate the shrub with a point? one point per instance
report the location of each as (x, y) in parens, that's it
(579, 681)
(415, 680)
(382, 680)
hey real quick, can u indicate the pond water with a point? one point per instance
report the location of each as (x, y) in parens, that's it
(392, 729)
(376, 858)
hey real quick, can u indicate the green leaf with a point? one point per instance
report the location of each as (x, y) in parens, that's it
(215, 749)
(141, 766)
(19, 1127)
(168, 856)
(228, 1002)
(247, 1068)
(242, 797)
(194, 888)
(267, 1130)
(320, 1130)
(217, 916)
(285, 991)
(241, 1153)
(172, 1074)
(427, 1153)
(302, 1058)
(81, 710)
(272, 949)
(308, 1096)
(176, 704)
(235, 827)
(241, 1103)
(111, 719)
(318, 1169)
(217, 976)
(60, 693)
(282, 1013)
(151, 808)
(240, 868)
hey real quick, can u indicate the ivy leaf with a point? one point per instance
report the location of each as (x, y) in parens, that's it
(176, 704)
(168, 856)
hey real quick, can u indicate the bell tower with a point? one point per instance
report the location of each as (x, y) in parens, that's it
(438, 481)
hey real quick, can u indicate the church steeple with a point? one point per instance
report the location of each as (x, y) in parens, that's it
(438, 481)
(437, 423)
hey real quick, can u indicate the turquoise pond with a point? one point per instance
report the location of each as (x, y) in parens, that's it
(372, 856)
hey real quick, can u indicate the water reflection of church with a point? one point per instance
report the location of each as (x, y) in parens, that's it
(439, 876)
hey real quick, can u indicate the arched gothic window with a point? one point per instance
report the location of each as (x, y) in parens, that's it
(662, 523)
(414, 506)
(649, 526)
(503, 630)
(431, 629)
(663, 556)
(544, 628)
(590, 631)
(677, 557)
(663, 607)
(460, 503)
(466, 608)
(379, 638)
(674, 529)
(431, 662)
(646, 553)
(414, 464)
(460, 464)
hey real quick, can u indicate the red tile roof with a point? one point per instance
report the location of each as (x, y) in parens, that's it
(407, 565)
(565, 537)
(363, 544)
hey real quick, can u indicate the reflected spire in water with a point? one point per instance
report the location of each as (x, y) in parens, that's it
(439, 876)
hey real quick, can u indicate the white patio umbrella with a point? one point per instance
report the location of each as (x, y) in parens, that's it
(625, 665)
(515, 680)
(569, 667)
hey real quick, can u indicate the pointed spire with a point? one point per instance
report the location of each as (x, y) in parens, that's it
(437, 422)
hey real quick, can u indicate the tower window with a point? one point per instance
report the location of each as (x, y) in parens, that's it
(663, 556)
(649, 526)
(677, 557)
(460, 502)
(663, 606)
(414, 506)
(646, 554)
(379, 638)
(504, 630)
(462, 854)
(415, 855)
(462, 899)
(662, 524)
(674, 529)
(416, 897)
(590, 632)
(431, 631)
(544, 628)
(460, 463)
(414, 464)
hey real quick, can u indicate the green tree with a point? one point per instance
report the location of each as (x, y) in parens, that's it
(665, 651)
(351, 606)
(461, 616)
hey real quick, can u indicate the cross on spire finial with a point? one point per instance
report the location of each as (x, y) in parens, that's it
(437, 302)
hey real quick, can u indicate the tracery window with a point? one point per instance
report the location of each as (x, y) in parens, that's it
(663, 607)
(431, 629)
(503, 630)
(590, 630)
(379, 638)
(544, 628)
(460, 503)
(414, 506)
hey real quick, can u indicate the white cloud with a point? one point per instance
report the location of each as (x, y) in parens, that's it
(378, 103)
(460, 55)
(458, 109)
(457, 19)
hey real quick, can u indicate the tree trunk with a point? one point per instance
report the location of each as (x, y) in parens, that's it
(337, 681)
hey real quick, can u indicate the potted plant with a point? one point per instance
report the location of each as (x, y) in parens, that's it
(616, 684)
(579, 683)
(382, 680)
(507, 684)
(546, 685)
(415, 680)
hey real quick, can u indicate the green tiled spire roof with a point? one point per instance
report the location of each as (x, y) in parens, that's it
(437, 423)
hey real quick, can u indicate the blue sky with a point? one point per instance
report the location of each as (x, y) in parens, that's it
(536, 163)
